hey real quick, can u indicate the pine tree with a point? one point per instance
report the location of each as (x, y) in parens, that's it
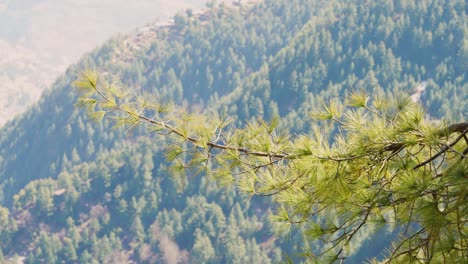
(69, 251)
(2, 259)
(138, 230)
(386, 164)
(202, 250)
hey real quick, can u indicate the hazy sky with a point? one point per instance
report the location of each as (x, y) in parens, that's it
(39, 39)
(70, 27)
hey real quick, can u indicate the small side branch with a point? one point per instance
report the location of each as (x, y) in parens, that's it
(459, 127)
(446, 147)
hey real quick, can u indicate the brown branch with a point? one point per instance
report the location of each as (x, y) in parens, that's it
(196, 141)
(171, 129)
(454, 128)
(393, 147)
(395, 255)
(458, 127)
(340, 159)
(288, 185)
(446, 147)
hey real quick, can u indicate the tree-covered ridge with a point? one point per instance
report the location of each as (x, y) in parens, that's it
(379, 46)
(277, 58)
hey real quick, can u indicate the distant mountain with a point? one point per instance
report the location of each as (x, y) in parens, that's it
(79, 192)
(39, 39)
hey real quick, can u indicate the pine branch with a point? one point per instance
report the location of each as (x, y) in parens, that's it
(458, 127)
(312, 163)
(455, 128)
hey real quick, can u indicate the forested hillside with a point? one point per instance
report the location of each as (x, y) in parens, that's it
(75, 191)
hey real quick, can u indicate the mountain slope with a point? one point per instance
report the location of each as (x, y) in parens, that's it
(106, 187)
(154, 64)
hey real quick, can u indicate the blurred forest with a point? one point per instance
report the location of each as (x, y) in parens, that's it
(73, 191)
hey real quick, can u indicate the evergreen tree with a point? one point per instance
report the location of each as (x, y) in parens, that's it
(69, 251)
(386, 165)
(202, 250)
(138, 230)
(2, 259)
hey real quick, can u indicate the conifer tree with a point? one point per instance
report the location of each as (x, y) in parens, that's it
(202, 250)
(385, 165)
(1, 256)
